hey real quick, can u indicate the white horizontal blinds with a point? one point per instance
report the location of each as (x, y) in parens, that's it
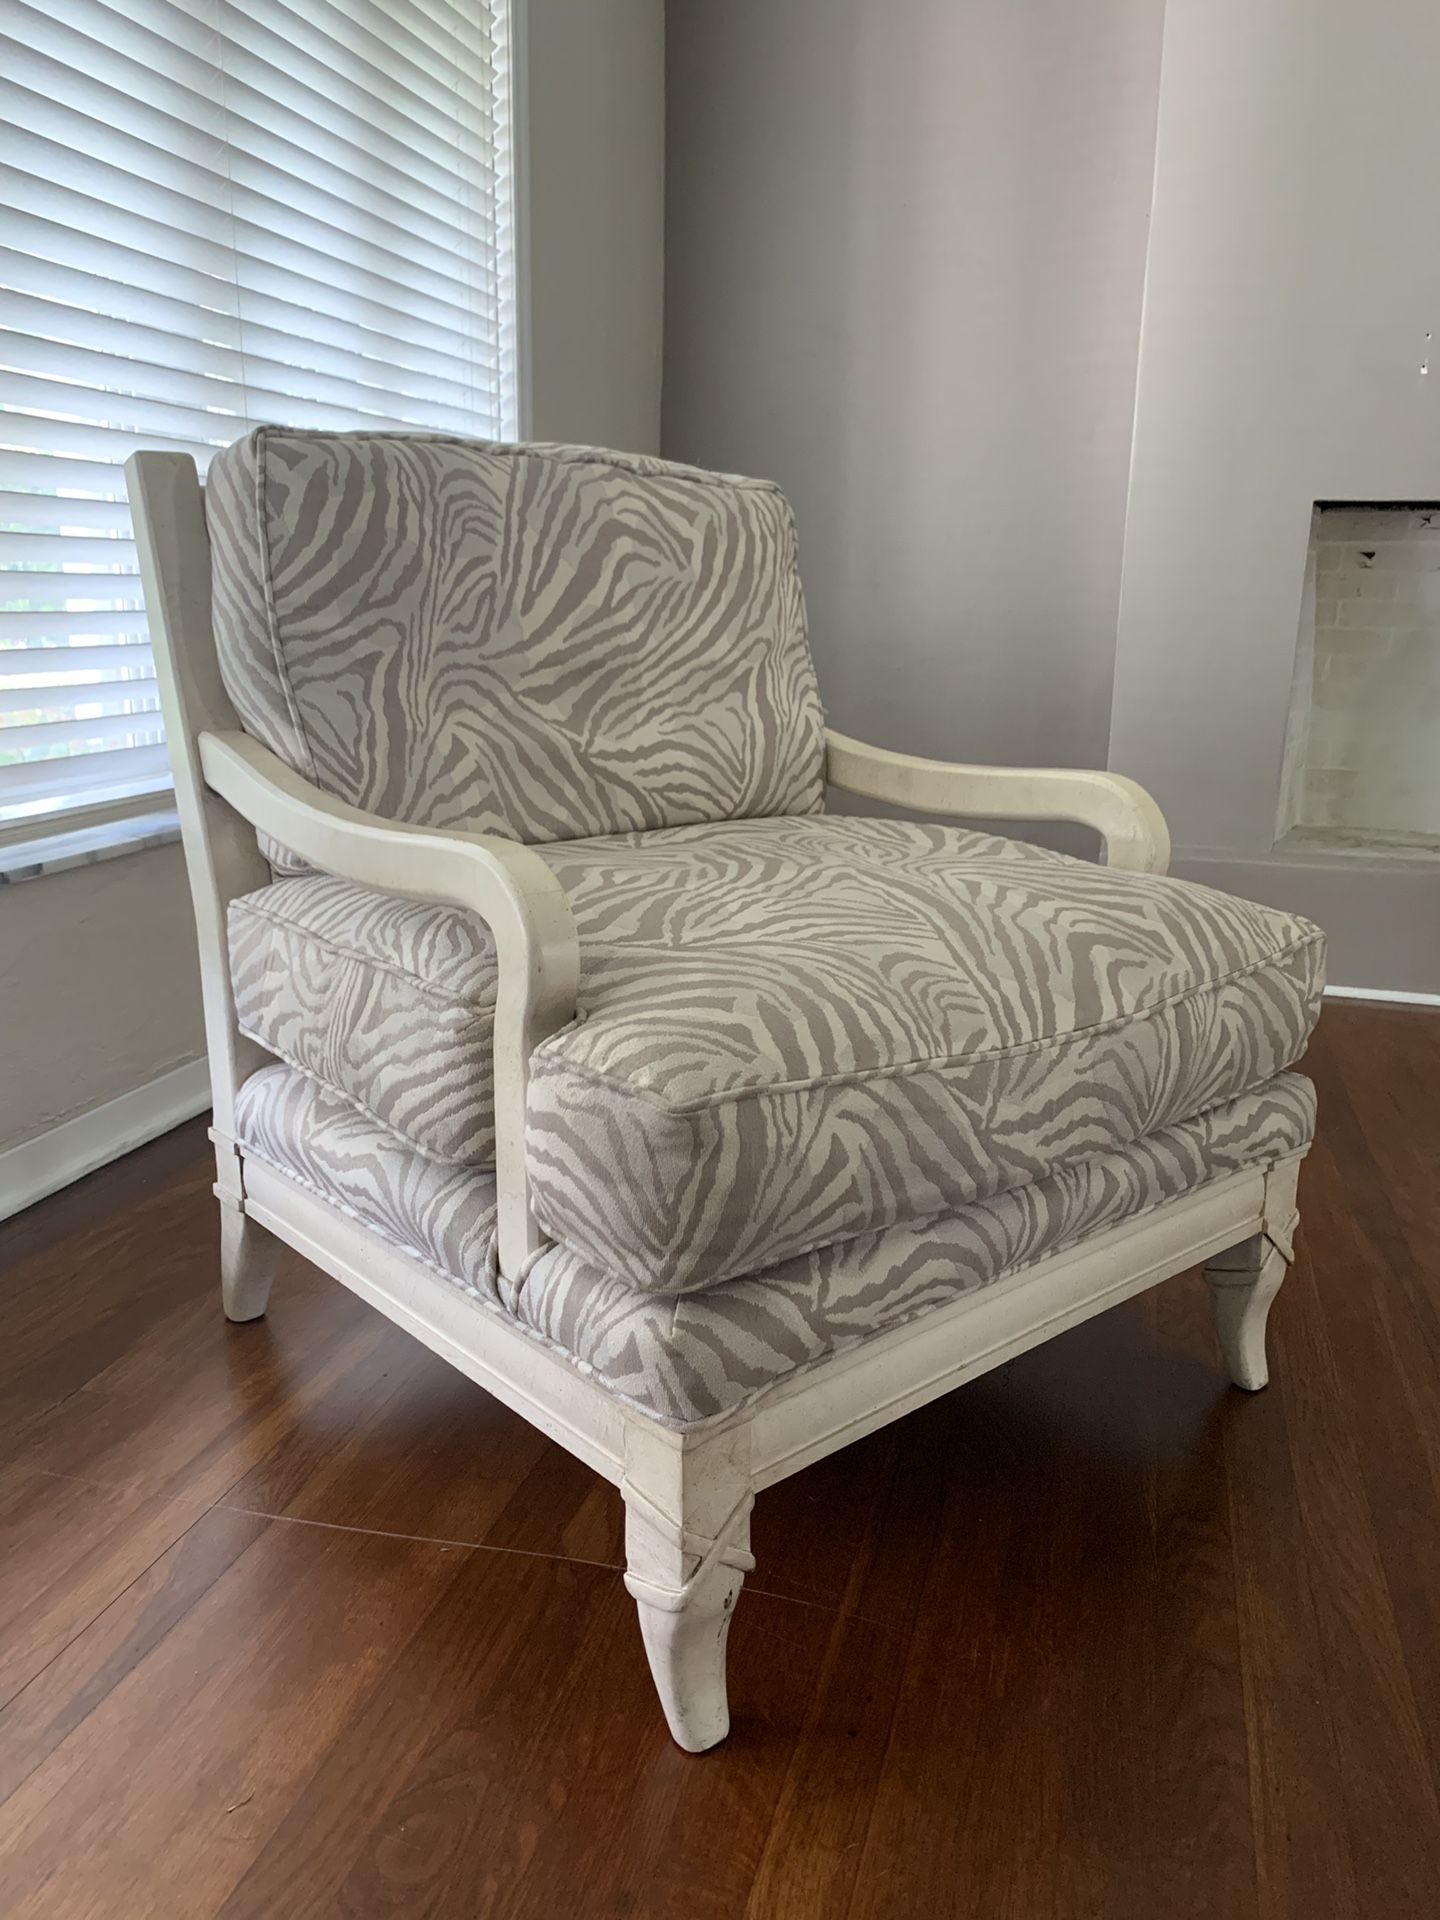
(218, 213)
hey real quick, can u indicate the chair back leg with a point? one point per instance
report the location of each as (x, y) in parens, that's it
(221, 855)
(248, 1256)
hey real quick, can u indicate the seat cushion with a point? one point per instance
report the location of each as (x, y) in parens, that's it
(543, 642)
(794, 1032)
(387, 1001)
(691, 1361)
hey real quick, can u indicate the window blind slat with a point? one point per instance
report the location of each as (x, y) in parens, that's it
(47, 737)
(103, 300)
(53, 590)
(172, 39)
(181, 143)
(188, 182)
(80, 441)
(20, 631)
(273, 326)
(219, 212)
(352, 65)
(63, 550)
(276, 359)
(32, 400)
(51, 474)
(184, 234)
(67, 327)
(399, 25)
(147, 44)
(112, 264)
(86, 213)
(371, 307)
(108, 376)
(21, 695)
(389, 66)
(114, 664)
(44, 513)
(40, 336)
(261, 94)
(112, 773)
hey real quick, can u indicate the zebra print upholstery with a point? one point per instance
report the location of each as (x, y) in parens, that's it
(703, 1357)
(792, 1032)
(542, 642)
(388, 1001)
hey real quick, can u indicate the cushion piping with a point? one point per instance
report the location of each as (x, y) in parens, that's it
(272, 615)
(557, 1065)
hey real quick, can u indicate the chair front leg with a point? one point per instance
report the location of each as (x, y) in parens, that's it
(687, 1550)
(1245, 1280)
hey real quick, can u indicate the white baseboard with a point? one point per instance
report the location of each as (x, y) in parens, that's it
(52, 1160)
(1383, 993)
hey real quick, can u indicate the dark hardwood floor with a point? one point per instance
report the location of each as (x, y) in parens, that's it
(295, 1621)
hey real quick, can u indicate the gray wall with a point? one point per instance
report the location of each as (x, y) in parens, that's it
(99, 987)
(597, 220)
(904, 257)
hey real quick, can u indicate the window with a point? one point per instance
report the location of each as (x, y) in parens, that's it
(218, 213)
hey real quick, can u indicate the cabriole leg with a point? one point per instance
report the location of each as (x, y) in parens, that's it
(1245, 1280)
(687, 1549)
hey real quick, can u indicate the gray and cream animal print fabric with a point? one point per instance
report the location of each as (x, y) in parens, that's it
(541, 642)
(792, 1032)
(700, 1358)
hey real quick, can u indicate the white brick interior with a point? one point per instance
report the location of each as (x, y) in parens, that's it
(1363, 745)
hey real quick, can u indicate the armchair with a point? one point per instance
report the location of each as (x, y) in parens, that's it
(551, 1014)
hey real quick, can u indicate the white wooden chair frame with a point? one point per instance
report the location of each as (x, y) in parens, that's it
(687, 1496)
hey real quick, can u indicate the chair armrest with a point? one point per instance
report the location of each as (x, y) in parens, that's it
(1128, 821)
(508, 885)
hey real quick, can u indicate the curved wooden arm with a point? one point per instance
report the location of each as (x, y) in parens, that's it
(508, 885)
(1128, 821)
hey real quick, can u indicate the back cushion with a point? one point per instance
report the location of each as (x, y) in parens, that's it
(542, 642)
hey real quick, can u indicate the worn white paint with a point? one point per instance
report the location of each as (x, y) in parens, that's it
(505, 884)
(1131, 827)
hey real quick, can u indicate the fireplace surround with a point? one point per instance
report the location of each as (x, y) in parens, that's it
(1362, 752)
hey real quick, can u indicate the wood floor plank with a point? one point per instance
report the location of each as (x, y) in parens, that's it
(1203, 1834)
(816, 1841)
(1304, 1864)
(99, 1655)
(161, 1798)
(1390, 1796)
(68, 1548)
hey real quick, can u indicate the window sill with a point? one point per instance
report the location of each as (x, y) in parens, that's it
(62, 851)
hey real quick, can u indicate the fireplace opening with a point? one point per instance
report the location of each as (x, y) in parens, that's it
(1362, 749)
